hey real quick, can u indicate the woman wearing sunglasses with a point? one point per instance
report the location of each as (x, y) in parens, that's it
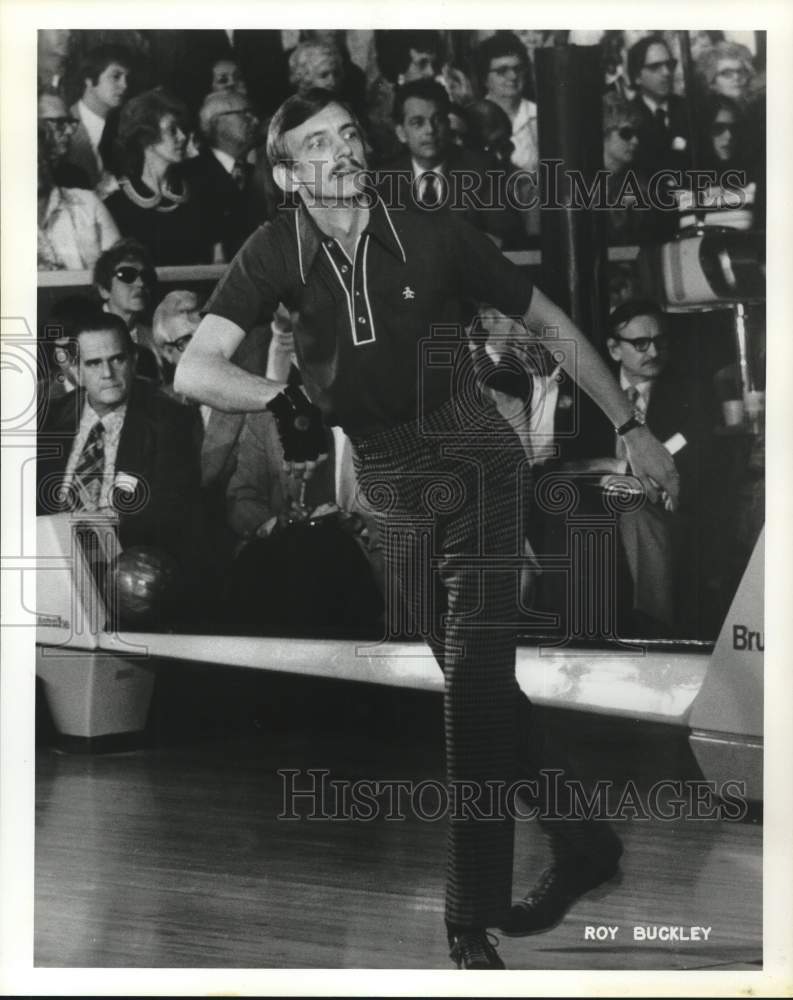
(154, 203)
(126, 280)
(721, 134)
(626, 185)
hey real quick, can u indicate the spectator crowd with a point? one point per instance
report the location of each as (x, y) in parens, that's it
(151, 152)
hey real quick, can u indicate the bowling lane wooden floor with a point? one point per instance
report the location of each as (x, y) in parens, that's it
(173, 856)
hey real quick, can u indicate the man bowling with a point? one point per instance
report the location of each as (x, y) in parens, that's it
(365, 286)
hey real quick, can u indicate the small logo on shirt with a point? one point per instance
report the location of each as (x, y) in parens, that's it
(408, 293)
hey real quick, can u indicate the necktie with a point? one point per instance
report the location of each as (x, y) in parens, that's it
(429, 190)
(238, 173)
(633, 398)
(90, 469)
(660, 117)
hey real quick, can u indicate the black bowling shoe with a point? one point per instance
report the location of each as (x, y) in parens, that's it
(559, 887)
(474, 950)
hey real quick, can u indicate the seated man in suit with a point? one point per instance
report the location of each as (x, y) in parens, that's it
(220, 176)
(664, 134)
(660, 549)
(104, 73)
(433, 172)
(117, 443)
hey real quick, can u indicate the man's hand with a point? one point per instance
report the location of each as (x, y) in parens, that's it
(301, 431)
(653, 466)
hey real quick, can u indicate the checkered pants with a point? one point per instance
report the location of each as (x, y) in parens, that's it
(445, 503)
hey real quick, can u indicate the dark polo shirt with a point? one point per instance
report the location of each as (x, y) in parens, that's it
(362, 326)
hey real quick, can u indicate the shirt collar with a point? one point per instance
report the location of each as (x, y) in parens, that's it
(527, 112)
(224, 159)
(643, 388)
(90, 118)
(111, 421)
(655, 105)
(418, 172)
(54, 204)
(310, 237)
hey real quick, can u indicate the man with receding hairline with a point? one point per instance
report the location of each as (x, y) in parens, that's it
(366, 287)
(220, 176)
(115, 433)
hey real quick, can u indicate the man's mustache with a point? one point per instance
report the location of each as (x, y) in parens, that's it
(344, 168)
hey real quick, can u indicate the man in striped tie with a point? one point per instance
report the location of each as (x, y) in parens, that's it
(118, 443)
(106, 370)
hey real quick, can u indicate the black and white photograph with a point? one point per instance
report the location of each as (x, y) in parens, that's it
(386, 581)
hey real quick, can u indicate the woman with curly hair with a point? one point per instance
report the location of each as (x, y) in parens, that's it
(726, 70)
(154, 204)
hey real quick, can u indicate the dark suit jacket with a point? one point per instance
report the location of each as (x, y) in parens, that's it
(81, 153)
(662, 555)
(485, 207)
(676, 406)
(228, 215)
(67, 175)
(157, 447)
(656, 143)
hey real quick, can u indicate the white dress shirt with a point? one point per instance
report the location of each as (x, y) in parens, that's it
(524, 136)
(94, 126)
(224, 159)
(113, 423)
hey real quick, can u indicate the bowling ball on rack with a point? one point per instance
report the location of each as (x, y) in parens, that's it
(145, 584)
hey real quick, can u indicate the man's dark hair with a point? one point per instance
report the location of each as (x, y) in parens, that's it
(95, 61)
(638, 53)
(122, 250)
(627, 311)
(293, 112)
(98, 322)
(393, 50)
(503, 43)
(426, 90)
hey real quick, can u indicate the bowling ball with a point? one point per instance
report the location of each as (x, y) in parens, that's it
(146, 584)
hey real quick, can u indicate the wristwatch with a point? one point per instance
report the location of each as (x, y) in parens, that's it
(633, 421)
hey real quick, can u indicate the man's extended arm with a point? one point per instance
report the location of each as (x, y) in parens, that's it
(649, 461)
(207, 375)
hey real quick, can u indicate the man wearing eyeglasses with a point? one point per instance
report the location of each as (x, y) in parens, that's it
(60, 126)
(221, 176)
(664, 134)
(653, 539)
(174, 322)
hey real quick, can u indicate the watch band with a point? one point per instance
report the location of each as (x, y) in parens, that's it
(629, 424)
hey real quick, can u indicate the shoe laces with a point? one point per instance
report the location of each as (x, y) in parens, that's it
(475, 947)
(549, 879)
